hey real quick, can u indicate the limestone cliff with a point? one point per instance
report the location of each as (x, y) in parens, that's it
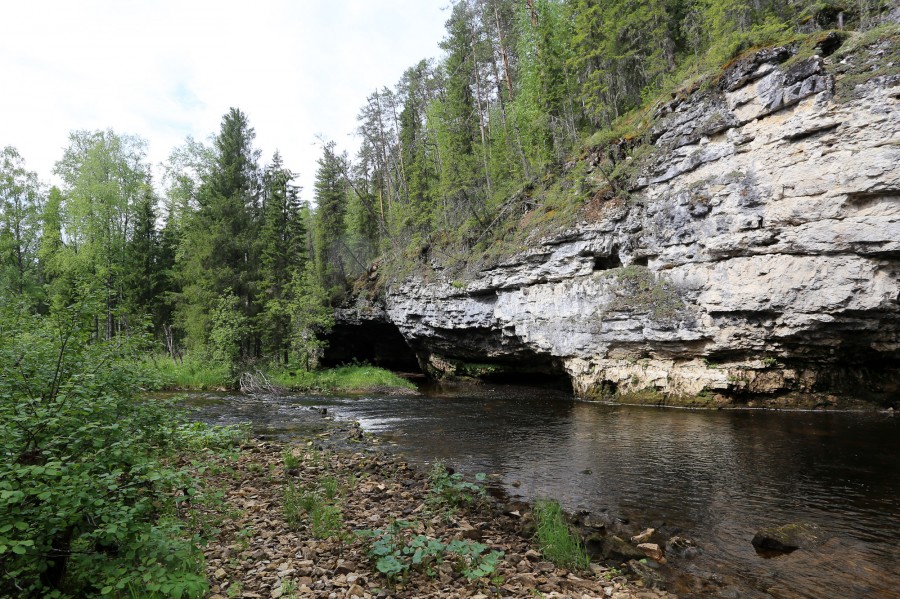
(756, 255)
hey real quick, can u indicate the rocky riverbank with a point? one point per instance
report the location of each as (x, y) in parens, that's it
(301, 520)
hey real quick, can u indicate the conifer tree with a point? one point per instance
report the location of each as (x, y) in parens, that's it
(458, 120)
(331, 209)
(219, 243)
(415, 144)
(282, 256)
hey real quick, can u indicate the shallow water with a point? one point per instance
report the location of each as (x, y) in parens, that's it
(713, 476)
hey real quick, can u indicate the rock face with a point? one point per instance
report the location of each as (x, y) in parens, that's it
(758, 255)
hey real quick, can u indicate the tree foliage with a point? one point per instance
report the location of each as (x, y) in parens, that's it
(520, 86)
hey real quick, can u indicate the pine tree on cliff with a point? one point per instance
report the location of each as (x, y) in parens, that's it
(457, 118)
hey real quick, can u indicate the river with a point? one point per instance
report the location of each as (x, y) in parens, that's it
(715, 477)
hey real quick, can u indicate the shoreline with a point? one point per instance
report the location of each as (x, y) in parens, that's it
(258, 553)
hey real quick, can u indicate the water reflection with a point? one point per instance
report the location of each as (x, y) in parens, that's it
(715, 477)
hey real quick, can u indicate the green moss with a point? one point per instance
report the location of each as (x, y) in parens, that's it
(865, 56)
(638, 289)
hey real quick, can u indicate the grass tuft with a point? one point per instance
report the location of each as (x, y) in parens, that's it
(556, 541)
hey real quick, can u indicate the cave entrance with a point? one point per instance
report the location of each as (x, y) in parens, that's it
(558, 380)
(375, 342)
(526, 371)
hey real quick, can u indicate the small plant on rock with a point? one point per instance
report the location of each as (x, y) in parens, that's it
(473, 559)
(291, 461)
(326, 521)
(329, 486)
(297, 502)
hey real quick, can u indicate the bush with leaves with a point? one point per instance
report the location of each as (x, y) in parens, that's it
(87, 504)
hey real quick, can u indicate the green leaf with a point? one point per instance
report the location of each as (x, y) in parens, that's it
(389, 565)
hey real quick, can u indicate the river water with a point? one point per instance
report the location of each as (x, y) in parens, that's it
(715, 477)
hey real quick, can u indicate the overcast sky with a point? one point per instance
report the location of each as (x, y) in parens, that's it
(166, 69)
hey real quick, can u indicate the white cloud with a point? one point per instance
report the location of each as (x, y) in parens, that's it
(167, 69)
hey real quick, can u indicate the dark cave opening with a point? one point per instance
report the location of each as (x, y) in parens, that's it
(607, 262)
(378, 343)
(560, 381)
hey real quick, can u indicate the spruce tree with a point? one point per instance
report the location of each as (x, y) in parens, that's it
(282, 255)
(219, 244)
(331, 208)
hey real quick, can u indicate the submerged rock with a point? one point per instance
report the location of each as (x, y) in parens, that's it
(800, 535)
(682, 547)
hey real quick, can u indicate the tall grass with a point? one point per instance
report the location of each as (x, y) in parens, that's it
(344, 378)
(556, 541)
(195, 373)
(192, 372)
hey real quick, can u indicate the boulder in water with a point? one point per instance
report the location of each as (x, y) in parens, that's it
(798, 535)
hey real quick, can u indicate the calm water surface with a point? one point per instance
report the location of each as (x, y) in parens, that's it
(713, 476)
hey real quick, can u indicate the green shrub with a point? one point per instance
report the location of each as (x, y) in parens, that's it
(87, 504)
(191, 372)
(344, 378)
(556, 541)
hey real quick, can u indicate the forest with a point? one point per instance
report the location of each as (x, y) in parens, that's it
(219, 258)
(218, 261)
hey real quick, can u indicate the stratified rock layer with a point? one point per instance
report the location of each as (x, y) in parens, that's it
(758, 255)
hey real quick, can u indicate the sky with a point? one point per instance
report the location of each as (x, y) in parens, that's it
(168, 69)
